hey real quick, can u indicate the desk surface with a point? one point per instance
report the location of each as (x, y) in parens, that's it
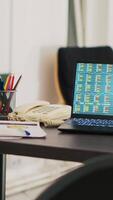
(61, 146)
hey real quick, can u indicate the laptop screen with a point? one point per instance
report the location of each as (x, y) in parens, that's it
(93, 89)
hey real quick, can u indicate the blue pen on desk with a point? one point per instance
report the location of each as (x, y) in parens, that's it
(27, 133)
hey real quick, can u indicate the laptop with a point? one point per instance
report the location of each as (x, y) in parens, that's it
(92, 109)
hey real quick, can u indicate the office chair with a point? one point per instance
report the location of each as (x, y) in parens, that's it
(66, 59)
(90, 181)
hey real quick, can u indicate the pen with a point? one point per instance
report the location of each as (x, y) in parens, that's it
(27, 133)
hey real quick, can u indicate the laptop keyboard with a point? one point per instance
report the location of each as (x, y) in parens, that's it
(92, 122)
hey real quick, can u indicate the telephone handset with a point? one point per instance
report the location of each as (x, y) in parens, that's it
(28, 107)
(42, 111)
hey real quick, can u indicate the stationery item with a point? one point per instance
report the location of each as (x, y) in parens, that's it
(0, 106)
(23, 123)
(15, 87)
(9, 82)
(19, 129)
(6, 83)
(7, 94)
(12, 82)
(11, 94)
(1, 84)
(5, 105)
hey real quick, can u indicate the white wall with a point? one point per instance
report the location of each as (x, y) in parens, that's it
(110, 23)
(96, 27)
(39, 27)
(31, 32)
(99, 22)
(5, 31)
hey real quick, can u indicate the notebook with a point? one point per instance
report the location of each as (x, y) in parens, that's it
(92, 109)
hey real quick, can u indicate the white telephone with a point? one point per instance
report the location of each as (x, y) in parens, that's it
(42, 111)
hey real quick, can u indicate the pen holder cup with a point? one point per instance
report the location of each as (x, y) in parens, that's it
(7, 102)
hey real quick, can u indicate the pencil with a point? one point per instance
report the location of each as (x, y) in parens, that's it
(17, 82)
(12, 82)
(6, 83)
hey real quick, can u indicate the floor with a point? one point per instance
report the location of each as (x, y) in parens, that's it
(28, 195)
(33, 177)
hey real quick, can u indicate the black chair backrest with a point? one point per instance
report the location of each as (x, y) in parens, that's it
(67, 57)
(89, 181)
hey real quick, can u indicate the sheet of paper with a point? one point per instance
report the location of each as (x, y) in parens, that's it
(6, 122)
(12, 130)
